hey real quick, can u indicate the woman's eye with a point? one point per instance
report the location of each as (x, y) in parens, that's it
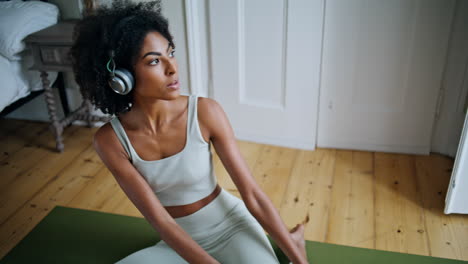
(154, 62)
(172, 53)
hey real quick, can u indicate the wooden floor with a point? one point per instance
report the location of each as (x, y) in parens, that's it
(364, 199)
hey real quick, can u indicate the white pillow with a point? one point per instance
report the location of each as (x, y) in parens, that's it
(18, 19)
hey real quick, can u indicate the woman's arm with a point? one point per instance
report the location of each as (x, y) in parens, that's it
(137, 189)
(258, 203)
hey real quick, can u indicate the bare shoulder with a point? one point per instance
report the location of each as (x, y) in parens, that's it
(105, 141)
(101, 137)
(209, 106)
(209, 110)
(212, 117)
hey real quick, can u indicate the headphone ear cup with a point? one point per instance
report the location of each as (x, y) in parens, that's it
(122, 82)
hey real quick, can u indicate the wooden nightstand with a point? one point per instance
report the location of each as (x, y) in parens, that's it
(51, 47)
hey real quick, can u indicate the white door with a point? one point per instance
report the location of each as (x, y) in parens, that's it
(265, 68)
(457, 195)
(381, 73)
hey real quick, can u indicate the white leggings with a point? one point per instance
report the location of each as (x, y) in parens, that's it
(224, 228)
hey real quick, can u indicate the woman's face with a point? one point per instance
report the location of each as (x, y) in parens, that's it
(156, 69)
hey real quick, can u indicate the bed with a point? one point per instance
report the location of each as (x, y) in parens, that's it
(18, 19)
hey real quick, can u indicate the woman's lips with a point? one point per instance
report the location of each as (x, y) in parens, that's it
(174, 85)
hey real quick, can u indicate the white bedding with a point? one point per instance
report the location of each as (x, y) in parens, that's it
(18, 19)
(17, 81)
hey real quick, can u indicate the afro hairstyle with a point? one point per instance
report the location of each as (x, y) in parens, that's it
(95, 36)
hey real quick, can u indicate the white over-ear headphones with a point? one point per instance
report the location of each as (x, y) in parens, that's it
(121, 80)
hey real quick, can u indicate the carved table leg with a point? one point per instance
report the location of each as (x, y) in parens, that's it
(51, 107)
(89, 109)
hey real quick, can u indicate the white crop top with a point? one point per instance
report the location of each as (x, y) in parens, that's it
(180, 179)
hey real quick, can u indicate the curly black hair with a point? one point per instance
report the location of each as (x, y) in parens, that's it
(93, 40)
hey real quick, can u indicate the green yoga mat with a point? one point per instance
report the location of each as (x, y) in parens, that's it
(69, 235)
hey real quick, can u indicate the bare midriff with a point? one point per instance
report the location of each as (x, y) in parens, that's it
(187, 209)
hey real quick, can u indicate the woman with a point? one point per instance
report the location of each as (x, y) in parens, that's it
(158, 146)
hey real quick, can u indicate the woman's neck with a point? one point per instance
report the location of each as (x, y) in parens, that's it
(152, 115)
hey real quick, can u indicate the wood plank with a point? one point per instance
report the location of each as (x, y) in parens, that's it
(308, 192)
(19, 136)
(27, 184)
(398, 212)
(59, 191)
(25, 159)
(433, 174)
(459, 226)
(249, 151)
(111, 199)
(116, 197)
(28, 156)
(99, 190)
(410, 198)
(273, 171)
(352, 204)
(8, 126)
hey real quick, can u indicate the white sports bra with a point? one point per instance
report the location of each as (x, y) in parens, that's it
(182, 178)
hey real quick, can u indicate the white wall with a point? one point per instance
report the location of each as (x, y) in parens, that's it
(453, 99)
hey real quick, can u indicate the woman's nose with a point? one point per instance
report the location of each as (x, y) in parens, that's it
(171, 67)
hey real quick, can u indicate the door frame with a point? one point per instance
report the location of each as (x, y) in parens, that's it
(194, 36)
(455, 199)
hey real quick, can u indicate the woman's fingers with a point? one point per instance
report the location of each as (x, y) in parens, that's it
(294, 229)
(306, 220)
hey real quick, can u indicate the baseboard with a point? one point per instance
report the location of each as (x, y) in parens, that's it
(280, 142)
(417, 150)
